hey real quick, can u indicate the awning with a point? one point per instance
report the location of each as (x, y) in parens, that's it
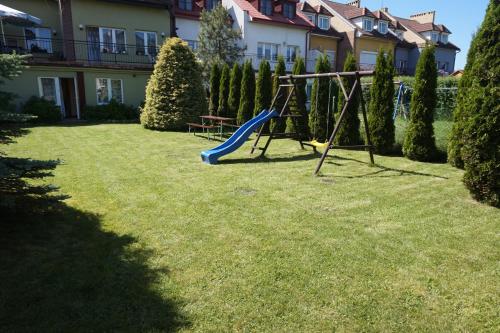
(16, 17)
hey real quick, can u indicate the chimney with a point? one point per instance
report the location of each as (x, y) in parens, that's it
(427, 17)
(356, 3)
(385, 9)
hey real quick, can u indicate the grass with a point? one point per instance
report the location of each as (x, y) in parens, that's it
(153, 240)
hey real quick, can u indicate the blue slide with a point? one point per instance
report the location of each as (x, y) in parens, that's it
(238, 138)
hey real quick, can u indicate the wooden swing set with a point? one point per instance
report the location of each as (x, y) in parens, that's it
(290, 82)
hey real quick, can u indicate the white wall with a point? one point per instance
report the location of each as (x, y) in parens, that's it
(187, 29)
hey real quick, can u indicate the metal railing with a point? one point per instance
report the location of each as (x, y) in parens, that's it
(85, 52)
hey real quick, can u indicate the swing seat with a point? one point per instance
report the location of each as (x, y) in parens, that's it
(317, 144)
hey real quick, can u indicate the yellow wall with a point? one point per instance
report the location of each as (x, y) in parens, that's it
(323, 43)
(372, 45)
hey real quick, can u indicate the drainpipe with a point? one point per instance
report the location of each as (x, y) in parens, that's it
(173, 28)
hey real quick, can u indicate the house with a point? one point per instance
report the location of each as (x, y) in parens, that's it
(419, 30)
(458, 73)
(87, 52)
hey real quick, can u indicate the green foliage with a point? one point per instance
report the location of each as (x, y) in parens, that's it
(234, 91)
(298, 102)
(419, 141)
(11, 66)
(213, 101)
(348, 133)
(218, 41)
(223, 109)
(111, 111)
(44, 110)
(263, 91)
(320, 103)
(380, 121)
(247, 93)
(278, 125)
(480, 112)
(175, 93)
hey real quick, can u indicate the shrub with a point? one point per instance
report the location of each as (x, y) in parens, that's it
(419, 143)
(213, 102)
(223, 108)
(247, 93)
(298, 102)
(44, 110)
(278, 125)
(111, 111)
(234, 91)
(263, 91)
(380, 121)
(348, 133)
(175, 93)
(319, 107)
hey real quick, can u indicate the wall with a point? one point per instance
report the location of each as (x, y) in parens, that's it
(446, 55)
(372, 45)
(187, 29)
(402, 54)
(323, 43)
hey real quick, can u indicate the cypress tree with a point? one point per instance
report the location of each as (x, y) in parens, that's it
(481, 112)
(381, 106)
(223, 109)
(213, 103)
(419, 143)
(175, 93)
(234, 91)
(348, 133)
(319, 107)
(278, 125)
(247, 93)
(298, 102)
(263, 91)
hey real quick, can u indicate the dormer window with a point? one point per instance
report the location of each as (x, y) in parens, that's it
(266, 7)
(289, 10)
(382, 27)
(444, 38)
(399, 34)
(434, 37)
(323, 22)
(211, 4)
(367, 24)
(186, 4)
(310, 17)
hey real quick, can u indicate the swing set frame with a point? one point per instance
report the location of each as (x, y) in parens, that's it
(290, 81)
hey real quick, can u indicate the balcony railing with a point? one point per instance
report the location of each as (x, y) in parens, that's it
(81, 52)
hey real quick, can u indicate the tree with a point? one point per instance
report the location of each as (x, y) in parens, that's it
(175, 93)
(263, 91)
(419, 143)
(298, 102)
(213, 102)
(380, 120)
(218, 41)
(481, 112)
(278, 125)
(223, 109)
(234, 91)
(11, 66)
(247, 93)
(348, 133)
(318, 117)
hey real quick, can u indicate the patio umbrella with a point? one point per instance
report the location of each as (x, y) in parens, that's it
(16, 17)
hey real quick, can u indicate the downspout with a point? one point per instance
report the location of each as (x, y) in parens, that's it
(173, 28)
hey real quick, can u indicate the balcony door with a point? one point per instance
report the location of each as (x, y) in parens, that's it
(93, 44)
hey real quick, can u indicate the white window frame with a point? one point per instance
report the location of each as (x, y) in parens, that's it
(110, 90)
(365, 26)
(36, 30)
(322, 19)
(193, 44)
(145, 36)
(383, 24)
(311, 18)
(297, 53)
(434, 37)
(444, 38)
(57, 87)
(273, 57)
(113, 39)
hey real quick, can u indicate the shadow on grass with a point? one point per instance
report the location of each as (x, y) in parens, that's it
(265, 159)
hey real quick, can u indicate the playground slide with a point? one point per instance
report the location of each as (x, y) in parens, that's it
(238, 138)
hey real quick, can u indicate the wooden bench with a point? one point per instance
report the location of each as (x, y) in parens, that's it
(194, 126)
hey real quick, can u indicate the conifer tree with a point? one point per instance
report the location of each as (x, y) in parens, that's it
(419, 143)
(263, 91)
(175, 93)
(11, 66)
(320, 101)
(278, 125)
(380, 120)
(298, 102)
(348, 133)
(247, 93)
(223, 109)
(213, 103)
(234, 91)
(481, 112)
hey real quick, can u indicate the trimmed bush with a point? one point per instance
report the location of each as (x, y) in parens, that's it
(348, 133)
(263, 91)
(278, 125)
(234, 91)
(298, 102)
(213, 102)
(175, 93)
(247, 94)
(319, 106)
(111, 111)
(419, 143)
(223, 108)
(44, 110)
(380, 121)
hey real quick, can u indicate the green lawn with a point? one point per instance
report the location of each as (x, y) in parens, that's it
(151, 239)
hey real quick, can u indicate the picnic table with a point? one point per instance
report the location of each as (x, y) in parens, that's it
(209, 122)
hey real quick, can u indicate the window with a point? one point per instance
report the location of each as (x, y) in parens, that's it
(211, 4)
(324, 23)
(434, 37)
(49, 89)
(382, 27)
(108, 89)
(289, 10)
(186, 4)
(266, 7)
(399, 34)
(444, 38)
(38, 40)
(310, 17)
(193, 44)
(112, 40)
(291, 53)
(268, 51)
(367, 24)
(145, 42)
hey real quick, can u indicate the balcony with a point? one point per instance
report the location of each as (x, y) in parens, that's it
(81, 53)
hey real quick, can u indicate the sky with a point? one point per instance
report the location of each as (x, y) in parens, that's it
(462, 17)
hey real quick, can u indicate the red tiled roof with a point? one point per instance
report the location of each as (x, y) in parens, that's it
(306, 7)
(328, 33)
(348, 11)
(422, 27)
